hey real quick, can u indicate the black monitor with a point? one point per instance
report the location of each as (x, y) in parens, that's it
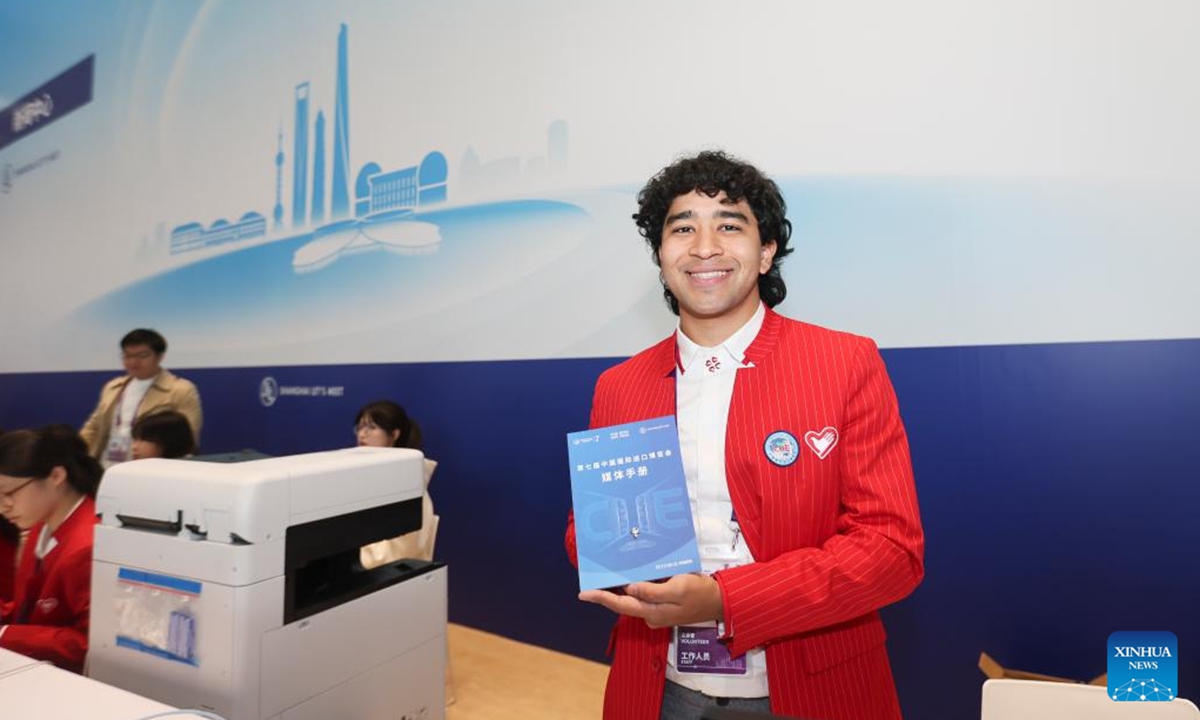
(231, 457)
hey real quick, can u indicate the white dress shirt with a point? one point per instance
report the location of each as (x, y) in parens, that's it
(703, 392)
(120, 437)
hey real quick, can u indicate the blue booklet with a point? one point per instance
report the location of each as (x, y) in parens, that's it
(633, 519)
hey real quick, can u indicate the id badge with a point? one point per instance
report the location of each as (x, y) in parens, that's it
(698, 651)
(118, 449)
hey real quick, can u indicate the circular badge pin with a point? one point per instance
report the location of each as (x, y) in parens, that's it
(781, 448)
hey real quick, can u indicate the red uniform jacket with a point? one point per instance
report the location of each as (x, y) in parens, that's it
(836, 534)
(8, 568)
(56, 597)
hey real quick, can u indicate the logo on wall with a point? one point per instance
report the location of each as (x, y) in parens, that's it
(67, 92)
(268, 391)
(1143, 666)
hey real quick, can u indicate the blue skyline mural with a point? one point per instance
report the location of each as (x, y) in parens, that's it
(380, 196)
(398, 193)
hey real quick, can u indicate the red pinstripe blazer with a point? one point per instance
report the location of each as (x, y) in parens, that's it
(835, 538)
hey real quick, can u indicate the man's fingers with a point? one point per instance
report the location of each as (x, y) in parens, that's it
(593, 596)
(650, 592)
(623, 604)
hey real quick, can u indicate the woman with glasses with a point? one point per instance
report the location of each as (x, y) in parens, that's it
(384, 423)
(48, 483)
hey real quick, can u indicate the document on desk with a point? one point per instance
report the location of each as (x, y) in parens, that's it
(633, 519)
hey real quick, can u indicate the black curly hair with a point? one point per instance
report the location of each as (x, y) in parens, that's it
(713, 172)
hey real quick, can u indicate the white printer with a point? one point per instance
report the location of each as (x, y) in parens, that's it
(237, 588)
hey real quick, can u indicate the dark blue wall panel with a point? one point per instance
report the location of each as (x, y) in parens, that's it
(1056, 483)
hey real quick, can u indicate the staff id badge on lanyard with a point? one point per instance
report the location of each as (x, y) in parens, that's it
(119, 446)
(698, 649)
(120, 442)
(728, 554)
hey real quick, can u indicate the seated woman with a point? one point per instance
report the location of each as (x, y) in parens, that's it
(48, 484)
(164, 434)
(383, 423)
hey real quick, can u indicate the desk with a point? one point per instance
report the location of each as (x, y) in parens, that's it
(31, 689)
(11, 662)
(495, 678)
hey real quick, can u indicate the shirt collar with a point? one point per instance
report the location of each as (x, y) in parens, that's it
(46, 540)
(157, 380)
(689, 355)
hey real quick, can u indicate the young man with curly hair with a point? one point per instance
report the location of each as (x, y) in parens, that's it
(797, 467)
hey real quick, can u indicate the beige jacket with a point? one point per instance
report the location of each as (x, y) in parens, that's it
(167, 392)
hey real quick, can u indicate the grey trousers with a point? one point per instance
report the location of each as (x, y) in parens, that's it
(680, 703)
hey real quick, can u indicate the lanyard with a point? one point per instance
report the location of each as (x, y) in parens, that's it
(121, 403)
(735, 527)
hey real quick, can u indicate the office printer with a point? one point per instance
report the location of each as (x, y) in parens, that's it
(237, 588)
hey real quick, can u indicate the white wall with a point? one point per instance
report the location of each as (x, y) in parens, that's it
(959, 173)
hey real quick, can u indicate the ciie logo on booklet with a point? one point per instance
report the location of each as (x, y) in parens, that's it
(1143, 666)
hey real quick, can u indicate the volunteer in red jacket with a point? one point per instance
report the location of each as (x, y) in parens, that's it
(798, 473)
(48, 483)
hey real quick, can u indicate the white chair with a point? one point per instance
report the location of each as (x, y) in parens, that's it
(1038, 700)
(417, 544)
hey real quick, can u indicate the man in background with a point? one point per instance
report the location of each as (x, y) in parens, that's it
(147, 388)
